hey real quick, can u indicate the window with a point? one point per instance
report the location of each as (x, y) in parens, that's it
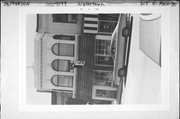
(61, 80)
(102, 52)
(103, 78)
(64, 37)
(106, 26)
(67, 18)
(61, 65)
(105, 93)
(104, 60)
(62, 49)
(102, 47)
(107, 23)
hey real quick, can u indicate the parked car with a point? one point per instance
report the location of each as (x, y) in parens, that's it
(120, 46)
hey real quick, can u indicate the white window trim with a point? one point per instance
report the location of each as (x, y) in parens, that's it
(102, 88)
(106, 38)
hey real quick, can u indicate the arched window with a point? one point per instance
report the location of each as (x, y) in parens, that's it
(61, 65)
(62, 81)
(62, 49)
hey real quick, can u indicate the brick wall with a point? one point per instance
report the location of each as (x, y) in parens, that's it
(85, 75)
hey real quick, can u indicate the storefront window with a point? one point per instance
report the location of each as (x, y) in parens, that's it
(62, 49)
(61, 80)
(105, 93)
(103, 78)
(104, 60)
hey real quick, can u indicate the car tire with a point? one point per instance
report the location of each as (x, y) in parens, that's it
(125, 32)
(122, 72)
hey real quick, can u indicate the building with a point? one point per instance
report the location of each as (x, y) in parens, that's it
(64, 39)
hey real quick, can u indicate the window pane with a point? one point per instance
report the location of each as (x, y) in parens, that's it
(103, 47)
(104, 60)
(107, 27)
(61, 80)
(105, 93)
(61, 65)
(62, 49)
(103, 78)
